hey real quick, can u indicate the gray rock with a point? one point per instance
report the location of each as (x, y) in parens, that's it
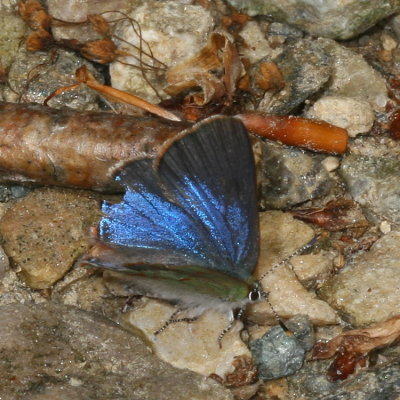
(9, 193)
(306, 67)
(34, 76)
(379, 383)
(291, 176)
(11, 32)
(4, 263)
(77, 11)
(353, 77)
(366, 291)
(278, 354)
(303, 330)
(54, 351)
(331, 18)
(371, 173)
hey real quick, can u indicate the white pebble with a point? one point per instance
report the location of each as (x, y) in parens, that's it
(330, 163)
(385, 227)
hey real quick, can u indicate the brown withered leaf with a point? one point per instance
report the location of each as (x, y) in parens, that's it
(350, 348)
(244, 373)
(83, 75)
(215, 70)
(38, 40)
(34, 15)
(3, 73)
(337, 215)
(268, 77)
(102, 51)
(99, 23)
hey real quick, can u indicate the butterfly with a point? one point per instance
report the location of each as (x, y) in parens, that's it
(187, 230)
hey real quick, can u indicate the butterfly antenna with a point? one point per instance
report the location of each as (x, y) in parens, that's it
(265, 296)
(233, 318)
(173, 320)
(296, 253)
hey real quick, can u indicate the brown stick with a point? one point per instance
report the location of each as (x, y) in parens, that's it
(42, 145)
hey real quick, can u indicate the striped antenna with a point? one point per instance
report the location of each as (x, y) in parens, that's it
(296, 253)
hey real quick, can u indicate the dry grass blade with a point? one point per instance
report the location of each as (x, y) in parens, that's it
(84, 76)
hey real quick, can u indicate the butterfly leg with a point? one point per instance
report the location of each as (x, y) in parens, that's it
(234, 315)
(173, 320)
(130, 301)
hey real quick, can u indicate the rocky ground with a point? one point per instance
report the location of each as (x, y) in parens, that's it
(66, 335)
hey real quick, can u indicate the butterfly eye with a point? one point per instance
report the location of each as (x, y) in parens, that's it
(254, 295)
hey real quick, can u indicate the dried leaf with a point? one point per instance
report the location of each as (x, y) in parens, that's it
(102, 51)
(84, 76)
(351, 347)
(3, 73)
(34, 15)
(269, 77)
(394, 128)
(337, 215)
(215, 70)
(100, 24)
(233, 69)
(38, 40)
(212, 87)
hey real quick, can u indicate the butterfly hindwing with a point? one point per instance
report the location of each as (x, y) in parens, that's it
(194, 206)
(210, 174)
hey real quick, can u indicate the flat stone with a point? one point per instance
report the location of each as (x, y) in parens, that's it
(290, 176)
(371, 173)
(46, 231)
(12, 30)
(201, 336)
(54, 351)
(281, 236)
(353, 77)
(53, 70)
(367, 291)
(354, 115)
(306, 67)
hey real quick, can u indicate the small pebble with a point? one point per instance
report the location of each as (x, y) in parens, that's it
(388, 42)
(330, 163)
(385, 227)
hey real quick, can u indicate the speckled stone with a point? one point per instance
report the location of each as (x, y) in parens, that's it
(201, 336)
(306, 67)
(35, 76)
(46, 231)
(371, 172)
(281, 236)
(353, 77)
(367, 290)
(290, 176)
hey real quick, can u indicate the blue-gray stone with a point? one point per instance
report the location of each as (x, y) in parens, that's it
(279, 353)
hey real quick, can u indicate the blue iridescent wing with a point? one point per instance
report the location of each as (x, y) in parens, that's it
(196, 205)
